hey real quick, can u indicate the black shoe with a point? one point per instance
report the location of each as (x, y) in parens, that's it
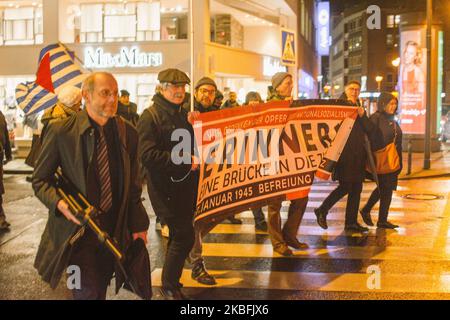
(201, 275)
(356, 228)
(29, 178)
(234, 220)
(4, 225)
(261, 226)
(366, 218)
(176, 294)
(386, 225)
(321, 218)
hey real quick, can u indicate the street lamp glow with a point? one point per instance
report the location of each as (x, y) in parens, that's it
(378, 79)
(396, 62)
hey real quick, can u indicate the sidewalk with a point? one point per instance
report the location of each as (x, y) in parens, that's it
(440, 165)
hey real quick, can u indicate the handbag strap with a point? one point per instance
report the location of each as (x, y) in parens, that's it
(395, 130)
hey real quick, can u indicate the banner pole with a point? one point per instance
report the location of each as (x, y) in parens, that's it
(191, 38)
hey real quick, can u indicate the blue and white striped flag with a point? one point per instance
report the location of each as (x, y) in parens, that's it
(56, 69)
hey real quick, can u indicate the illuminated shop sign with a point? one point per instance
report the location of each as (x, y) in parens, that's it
(323, 29)
(271, 66)
(126, 58)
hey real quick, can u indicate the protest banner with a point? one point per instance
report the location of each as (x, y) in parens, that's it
(254, 154)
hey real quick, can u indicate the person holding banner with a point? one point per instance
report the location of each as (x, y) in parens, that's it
(388, 132)
(205, 93)
(172, 187)
(350, 169)
(253, 98)
(283, 238)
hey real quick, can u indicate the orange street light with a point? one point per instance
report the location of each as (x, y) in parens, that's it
(378, 79)
(396, 62)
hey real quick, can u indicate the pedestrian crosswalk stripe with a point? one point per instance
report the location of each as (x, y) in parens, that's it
(309, 214)
(331, 252)
(348, 282)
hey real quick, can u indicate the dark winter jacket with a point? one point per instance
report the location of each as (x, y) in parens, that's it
(70, 144)
(351, 166)
(386, 129)
(169, 195)
(129, 112)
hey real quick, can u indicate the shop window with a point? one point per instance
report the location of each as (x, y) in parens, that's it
(389, 40)
(110, 21)
(390, 21)
(21, 25)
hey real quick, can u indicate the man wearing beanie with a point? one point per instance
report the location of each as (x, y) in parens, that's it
(281, 89)
(172, 187)
(205, 94)
(283, 238)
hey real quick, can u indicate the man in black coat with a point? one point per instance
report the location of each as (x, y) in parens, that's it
(97, 152)
(350, 169)
(172, 184)
(5, 151)
(127, 109)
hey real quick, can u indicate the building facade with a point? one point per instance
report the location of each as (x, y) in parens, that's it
(238, 43)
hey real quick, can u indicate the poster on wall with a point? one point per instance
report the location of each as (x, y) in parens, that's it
(412, 81)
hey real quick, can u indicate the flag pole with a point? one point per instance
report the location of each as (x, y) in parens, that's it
(191, 38)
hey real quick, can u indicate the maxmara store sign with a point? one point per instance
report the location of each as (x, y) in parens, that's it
(97, 58)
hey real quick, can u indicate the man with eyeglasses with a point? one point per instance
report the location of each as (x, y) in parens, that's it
(205, 94)
(97, 152)
(172, 187)
(350, 169)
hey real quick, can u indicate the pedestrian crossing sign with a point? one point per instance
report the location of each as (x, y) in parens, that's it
(288, 56)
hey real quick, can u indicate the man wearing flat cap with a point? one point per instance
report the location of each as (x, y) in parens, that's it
(172, 186)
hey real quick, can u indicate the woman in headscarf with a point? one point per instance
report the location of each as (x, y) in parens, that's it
(388, 131)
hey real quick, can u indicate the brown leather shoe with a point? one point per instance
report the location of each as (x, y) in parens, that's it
(283, 250)
(294, 243)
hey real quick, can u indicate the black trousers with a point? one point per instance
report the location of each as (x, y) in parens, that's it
(96, 265)
(353, 190)
(258, 215)
(384, 195)
(181, 240)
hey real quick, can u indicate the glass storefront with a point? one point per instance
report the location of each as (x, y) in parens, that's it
(21, 23)
(112, 21)
(140, 86)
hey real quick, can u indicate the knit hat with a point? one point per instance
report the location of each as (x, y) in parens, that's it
(205, 81)
(383, 100)
(278, 78)
(69, 96)
(253, 96)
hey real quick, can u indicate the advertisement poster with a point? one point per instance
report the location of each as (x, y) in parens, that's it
(412, 81)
